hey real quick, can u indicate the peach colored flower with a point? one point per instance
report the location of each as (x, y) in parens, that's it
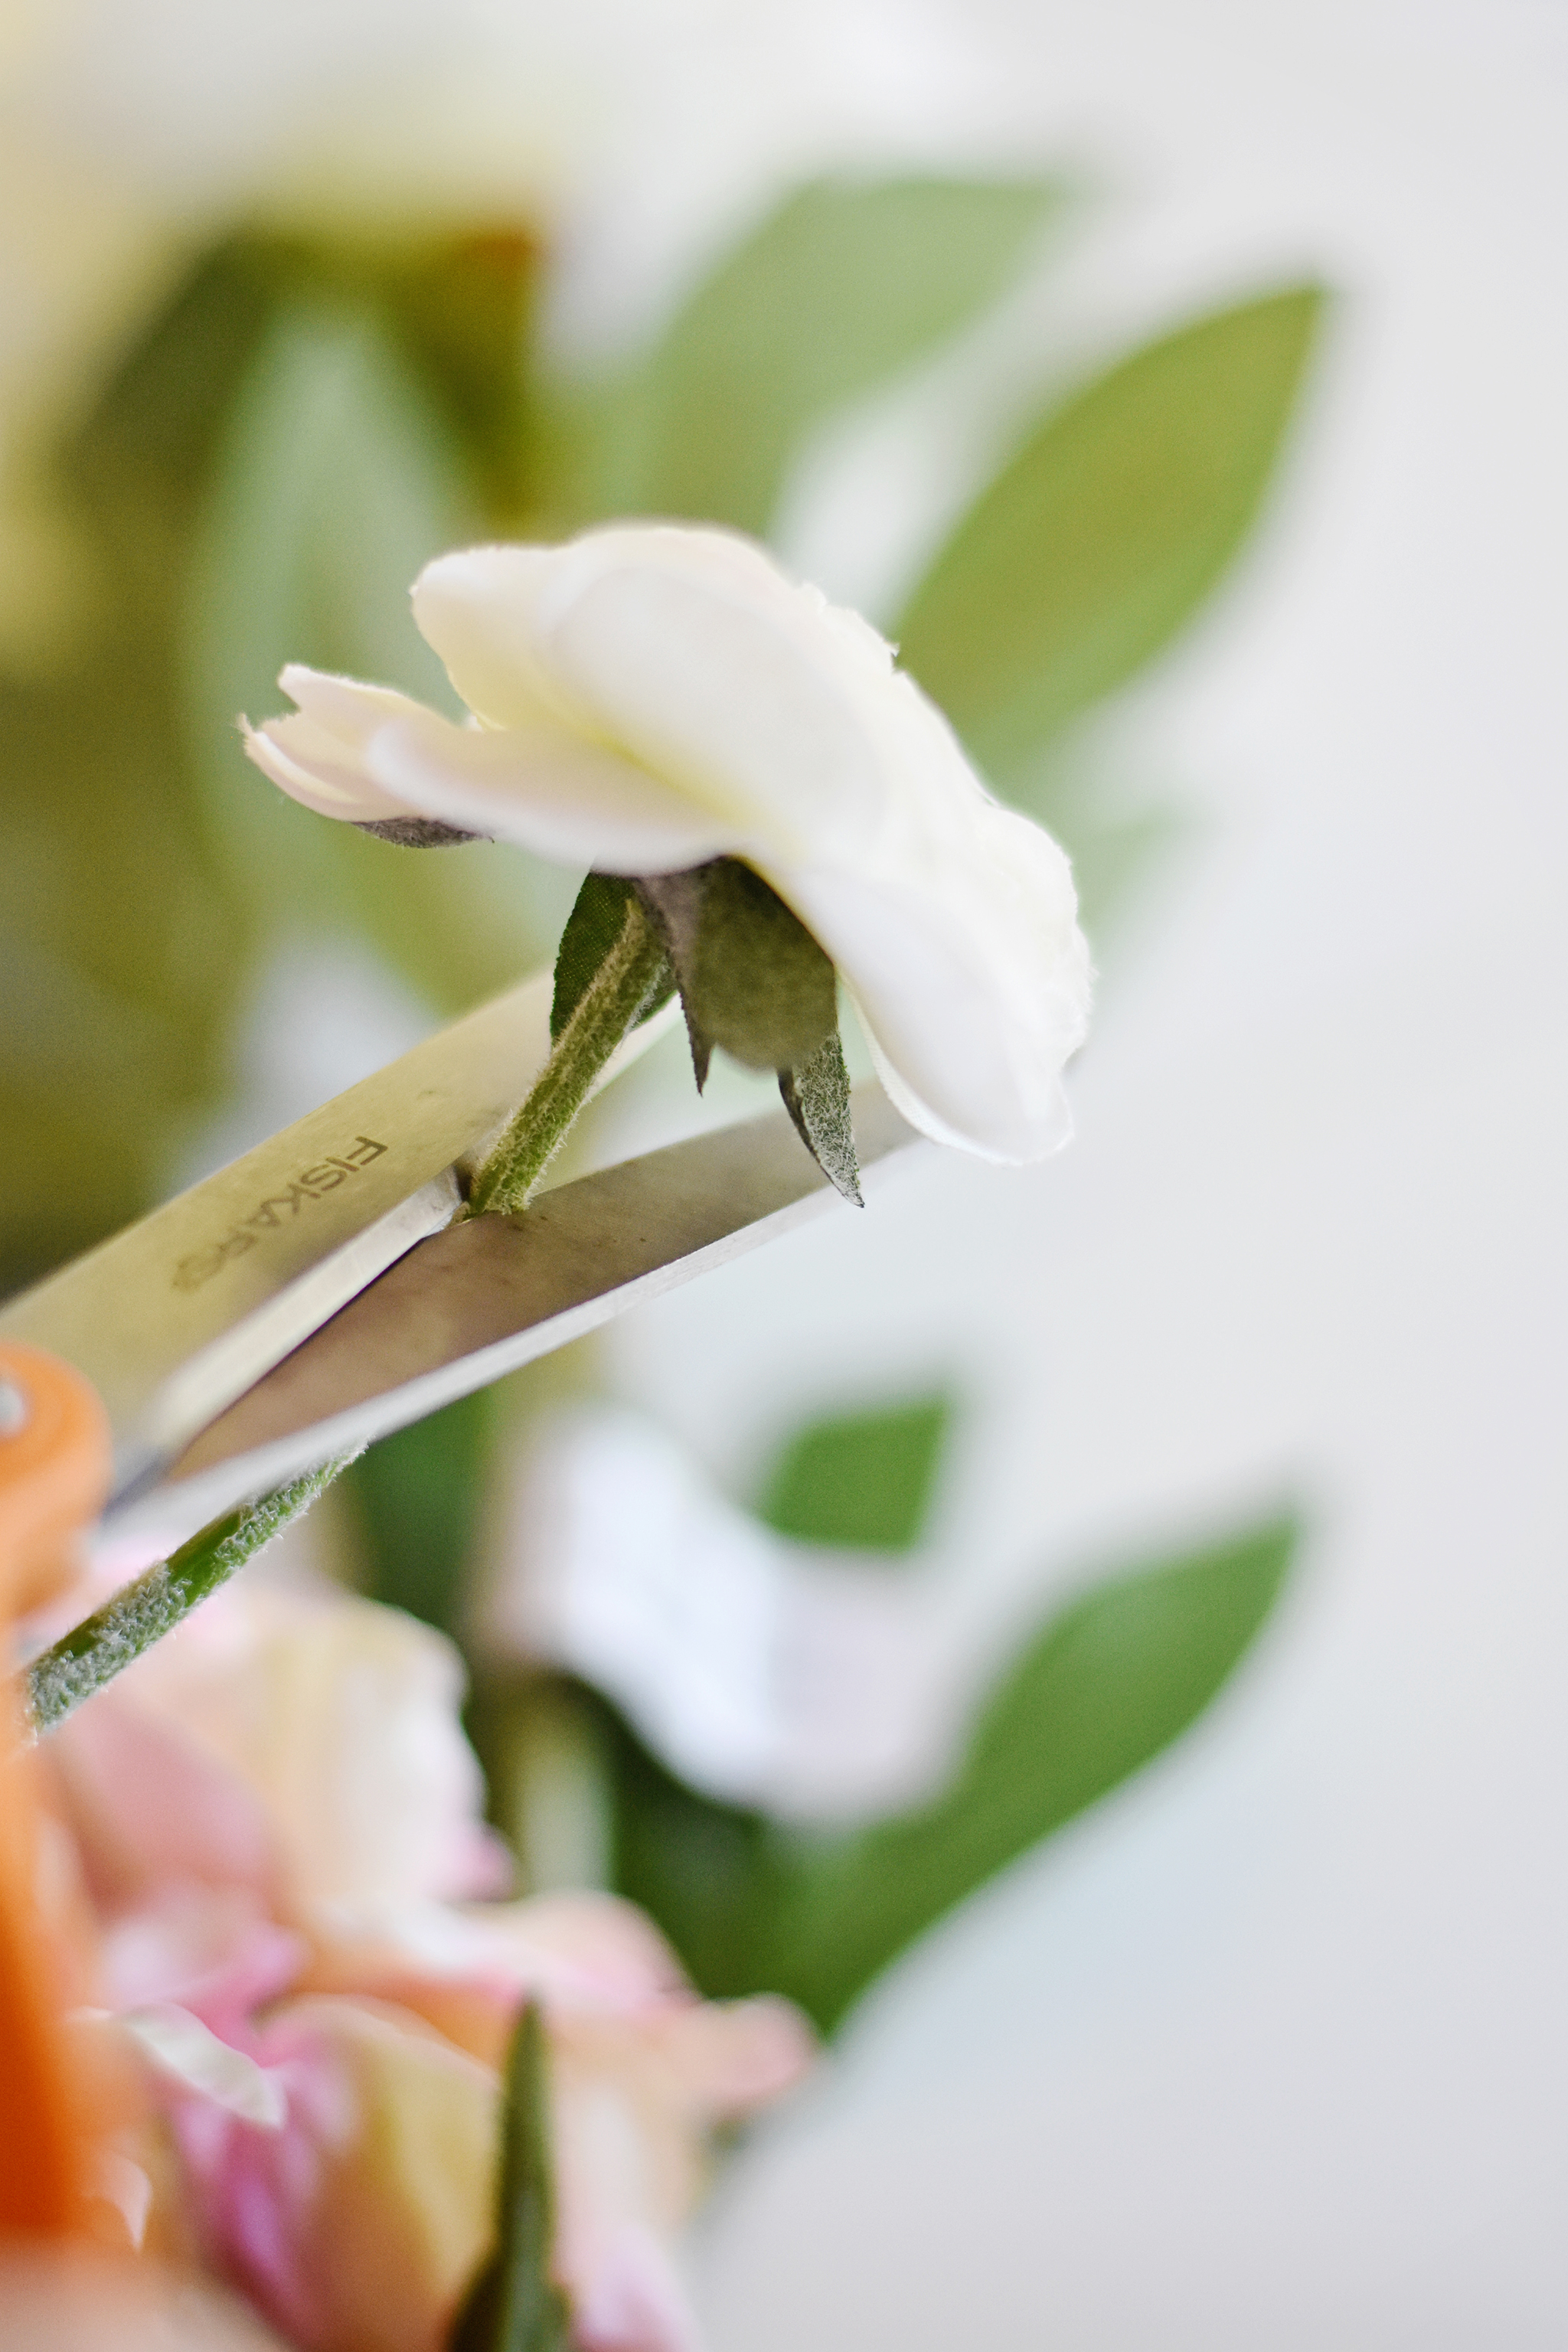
(78, 2301)
(325, 2033)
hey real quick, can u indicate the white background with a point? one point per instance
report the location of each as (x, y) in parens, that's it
(1269, 2052)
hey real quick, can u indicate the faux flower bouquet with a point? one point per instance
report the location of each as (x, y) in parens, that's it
(275, 2016)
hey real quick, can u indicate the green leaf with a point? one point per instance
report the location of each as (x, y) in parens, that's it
(120, 933)
(843, 286)
(514, 2305)
(597, 921)
(236, 500)
(417, 1494)
(152, 437)
(462, 309)
(1111, 1681)
(752, 977)
(1107, 531)
(336, 481)
(709, 1873)
(860, 1478)
(816, 1097)
(1108, 1683)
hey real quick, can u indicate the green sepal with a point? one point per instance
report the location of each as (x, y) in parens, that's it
(816, 1097)
(416, 832)
(514, 2305)
(752, 977)
(597, 921)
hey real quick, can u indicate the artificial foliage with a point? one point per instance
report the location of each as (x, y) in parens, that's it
(302, 426)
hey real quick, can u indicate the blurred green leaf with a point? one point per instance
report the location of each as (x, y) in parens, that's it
(146, 446)
(1115, 520)
(121, 939)
(462, 310)
(860, 1478)
(417, 1496)
(839, 290)
(1109, 1682)
(142, 878)
(336, 482)
(515, 2306)
(709, 1873)
(1112, 1680)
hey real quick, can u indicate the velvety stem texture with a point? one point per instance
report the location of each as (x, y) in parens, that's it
(634, 972)
(154, 1604)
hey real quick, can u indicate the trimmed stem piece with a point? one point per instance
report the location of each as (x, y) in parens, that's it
(155, 1602)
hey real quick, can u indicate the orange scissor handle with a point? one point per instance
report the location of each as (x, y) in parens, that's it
(54, 1475)
(54, 1471)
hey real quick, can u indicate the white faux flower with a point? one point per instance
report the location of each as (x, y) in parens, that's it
(646, 698)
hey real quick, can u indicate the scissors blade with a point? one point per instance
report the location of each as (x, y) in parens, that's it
(174, 1318)
(468, 1304)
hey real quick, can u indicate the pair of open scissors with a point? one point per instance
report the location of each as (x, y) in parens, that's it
(316, 1294)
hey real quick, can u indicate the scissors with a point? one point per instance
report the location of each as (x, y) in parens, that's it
(316, 1293)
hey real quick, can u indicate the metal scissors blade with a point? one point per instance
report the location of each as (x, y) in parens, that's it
(467, 1305)
(177, 1316)
(314, 1294)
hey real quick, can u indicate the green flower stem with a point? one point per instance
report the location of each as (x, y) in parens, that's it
(155, 1602)
(631, 975)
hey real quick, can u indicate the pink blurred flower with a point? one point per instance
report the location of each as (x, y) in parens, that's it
(276, 1814)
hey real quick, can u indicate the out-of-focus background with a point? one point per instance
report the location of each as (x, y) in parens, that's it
(1268, 2047)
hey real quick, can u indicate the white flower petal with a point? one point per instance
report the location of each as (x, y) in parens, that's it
(310, 766)
(315, 755)
(344, 706)
(692, 652)
(650, 697)
(478, 610)
(972, 979)
(569, 799)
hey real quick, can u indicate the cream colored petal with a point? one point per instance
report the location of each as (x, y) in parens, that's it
(314, 753)
(477, 609)
(312, 767)
(345, 708)
(972, 979)
(738, 697)
(587, 1950)
(377, 2200)
(78, 2298)
(342, 1718)
(566, 799)
(181, 2046)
